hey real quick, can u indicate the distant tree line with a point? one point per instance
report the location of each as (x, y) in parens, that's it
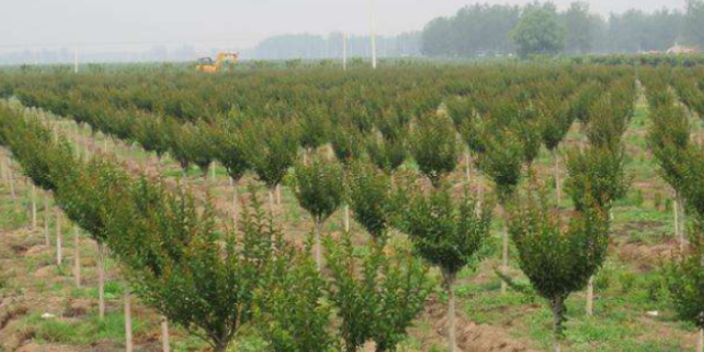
(310, 46)
(489, 30)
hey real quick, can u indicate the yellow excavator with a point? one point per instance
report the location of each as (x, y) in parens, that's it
(208, 65)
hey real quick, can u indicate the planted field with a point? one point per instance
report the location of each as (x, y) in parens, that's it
(464, 208)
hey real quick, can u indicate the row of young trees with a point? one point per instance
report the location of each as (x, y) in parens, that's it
(673, 142)
(504, 133)
(212, 283)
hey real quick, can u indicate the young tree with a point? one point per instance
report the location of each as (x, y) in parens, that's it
(387, 155)
(368, 191)
(319, 189)
(231, 153)
(434, 147)
(685, 277)
(376, 295)
(558, 261)
(555, 122)
(446, 233)
(314, 129)
(271, 149)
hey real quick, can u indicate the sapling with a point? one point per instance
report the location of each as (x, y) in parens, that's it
(557, 260)
(501, 158)
(448, 234)
(271, 149)
(555, 122)
(596, 175)
(314, 127)
(230, 152)
(685, 278)
(369, 194)
(434, 147)
(319, 189)
(347, 146)
(387, 155)
(376, 295)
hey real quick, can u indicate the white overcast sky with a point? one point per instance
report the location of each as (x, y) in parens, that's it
(109, 24)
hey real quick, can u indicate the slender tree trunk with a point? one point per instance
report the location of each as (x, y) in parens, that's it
(59, 245)
(101, 280)
(213, 172)
(451, 329)
(271, 201)
(558, 195)
(165, 344)
(11, 179)
(34, 207)
(235, 203)
(346, 219)
(128, 320)
(3, 169)
(679, 233)
(557, 310)
(468, 168)
(682, 220)
(318, 249)
(77, 256)
(47, 239)
(278, 194)
(700, 341)
(590, 297)
(504, 260)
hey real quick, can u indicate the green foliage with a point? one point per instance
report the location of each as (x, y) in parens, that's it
(387, 155)
(446, 232)
(271, 149)
(558, 261)
(685, 279)
(314, 128)
(376, 295)
(596, 175)
(369, 197)
(319, 187)
(230, 151)
(434, 147)
(538, 33)
(347, 144)
(502, 160)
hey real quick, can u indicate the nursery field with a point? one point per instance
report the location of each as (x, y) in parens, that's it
(495, 207)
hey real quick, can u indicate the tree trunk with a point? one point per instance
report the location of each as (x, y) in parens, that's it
(558, 195)
(11, 179)
(451, 329)
(235, 203)
(165, 344)
(682, 224)
(590, 297)
(504, 260)
(77, 256)
(468, 168)
(47, 239)
(557, 311)
(346, 220)
(34, 207)
(101, 280)
(59, 245)
(676, 221)
(700, 341)
(213, 172)
(2, 169)
(278, 194)
(271, 202)
(128, 321)
(318, 249)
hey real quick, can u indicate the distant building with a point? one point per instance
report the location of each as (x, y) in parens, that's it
(681, 49)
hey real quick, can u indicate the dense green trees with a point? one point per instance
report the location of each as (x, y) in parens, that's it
(538, 32)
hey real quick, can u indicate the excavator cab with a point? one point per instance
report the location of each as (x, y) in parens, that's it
(205, 61)
(207, 64)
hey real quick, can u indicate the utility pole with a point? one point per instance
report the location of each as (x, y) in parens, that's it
(344, 51)
(373, 31)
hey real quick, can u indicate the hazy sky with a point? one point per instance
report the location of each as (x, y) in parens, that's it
(113, 24)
